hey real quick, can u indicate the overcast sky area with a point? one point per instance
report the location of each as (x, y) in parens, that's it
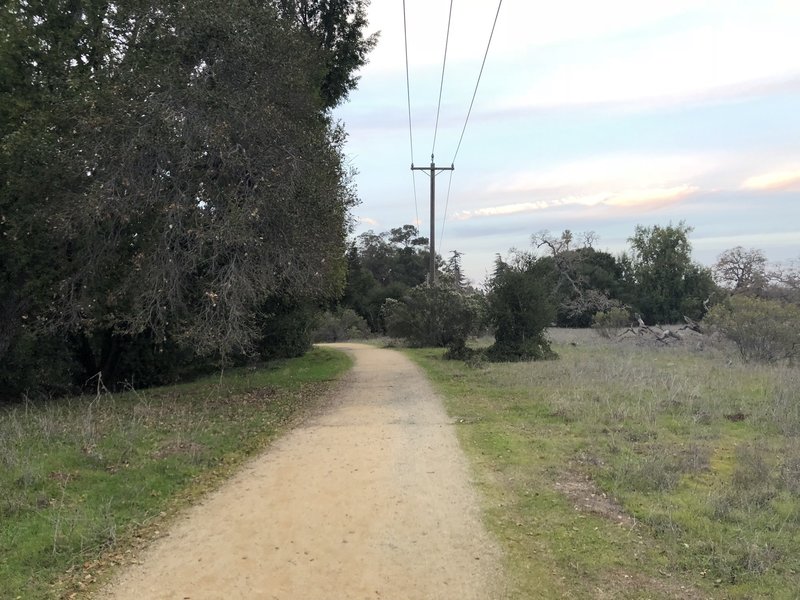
(590, 116)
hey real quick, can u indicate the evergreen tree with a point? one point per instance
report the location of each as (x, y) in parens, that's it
(664, 284)
(519, 309)
(454, 271)
(170, 171)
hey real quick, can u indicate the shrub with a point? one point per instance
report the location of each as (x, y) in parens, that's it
(342, 324)
(286, 328)
(763, 330)
(604, 323)
(36, 365)
(440, 316)
(519, 310)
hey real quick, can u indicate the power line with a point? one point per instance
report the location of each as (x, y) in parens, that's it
(433, 169)
(475, 93)
(441, 83)
(410, 128)
(466, 121)
(444, 214)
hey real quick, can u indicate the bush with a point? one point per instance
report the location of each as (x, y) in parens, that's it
(439, 316)
(519, 311)
(36, 365)
(286, 328)
(339, 325)
(605, 323)
(763, 330)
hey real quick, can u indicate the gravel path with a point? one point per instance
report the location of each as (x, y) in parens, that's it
(369, 500)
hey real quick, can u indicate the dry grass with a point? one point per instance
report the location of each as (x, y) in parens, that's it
(700, 451)
(85, 481)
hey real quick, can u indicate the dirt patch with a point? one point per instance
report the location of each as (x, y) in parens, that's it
(175, 448)
(586, 497)
(371, 499)
(619, 583)
(736, 417)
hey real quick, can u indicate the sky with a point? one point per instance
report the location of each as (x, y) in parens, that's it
(589, 116)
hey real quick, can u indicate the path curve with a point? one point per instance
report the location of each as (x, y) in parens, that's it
(371, 499)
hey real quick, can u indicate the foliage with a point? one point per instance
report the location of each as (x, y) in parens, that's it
(519, 310)
(336, 29)
(584, 280)
(454, 272)
(763, 330)
(339, 325)
(663, 282)
(167, 167)
(607, 322)
(438, 316)
(396, 256)
(36, 363)
(383, 266)
(286, 328)
(80, 477)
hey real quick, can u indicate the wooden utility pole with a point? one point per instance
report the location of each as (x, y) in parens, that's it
(432, 171)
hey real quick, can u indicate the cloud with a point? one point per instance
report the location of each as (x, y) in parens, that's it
(367, 221)
(651, 197)
(749, 239)
(522, 26)
(775, 180)
(632, 198)
(708, 59)
(610, 172)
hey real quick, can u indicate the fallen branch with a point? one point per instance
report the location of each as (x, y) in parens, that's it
(659, 334)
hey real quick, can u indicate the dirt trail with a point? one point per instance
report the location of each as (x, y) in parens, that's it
(369, 500)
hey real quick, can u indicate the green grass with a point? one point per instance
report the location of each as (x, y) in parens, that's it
(624, 470)
(85, 481)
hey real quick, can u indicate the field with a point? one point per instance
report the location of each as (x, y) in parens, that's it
(85, 482)
(626, 469)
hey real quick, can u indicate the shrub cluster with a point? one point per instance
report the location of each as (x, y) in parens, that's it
(341, 324)
(439, 316)
(763, 330)
(607, 322)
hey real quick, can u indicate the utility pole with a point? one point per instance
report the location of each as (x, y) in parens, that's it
(432, 171)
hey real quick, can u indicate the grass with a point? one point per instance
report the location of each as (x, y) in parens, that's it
(85, 482)
(627, 470)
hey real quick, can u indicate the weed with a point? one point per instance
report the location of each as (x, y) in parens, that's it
(789, 466)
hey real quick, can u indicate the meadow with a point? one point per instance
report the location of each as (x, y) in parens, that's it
(87, 482)
(632, 469)
(626, 468)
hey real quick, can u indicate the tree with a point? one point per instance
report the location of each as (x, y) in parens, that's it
(785, 283)
(48, 60)
(172, 171)
(584, 281)
(519, 310)
(336, 28)
(742, 271)
(663, 282)
(407, 236)
(454, 272)
(382, 266)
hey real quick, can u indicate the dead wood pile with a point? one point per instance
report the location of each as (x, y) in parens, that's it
(662, 334)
